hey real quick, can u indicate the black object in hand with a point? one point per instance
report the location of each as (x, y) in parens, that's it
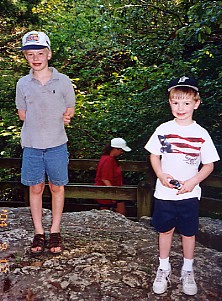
(176, 184)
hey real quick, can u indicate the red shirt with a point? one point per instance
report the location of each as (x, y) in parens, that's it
(108, 169)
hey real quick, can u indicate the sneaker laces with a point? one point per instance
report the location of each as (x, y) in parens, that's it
(188, 277)
(162, 274)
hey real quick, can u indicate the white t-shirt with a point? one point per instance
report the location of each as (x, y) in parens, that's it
(182, 149)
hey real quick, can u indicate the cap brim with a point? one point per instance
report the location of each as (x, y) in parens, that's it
(126, 149)
(195, 88)
(33, 47)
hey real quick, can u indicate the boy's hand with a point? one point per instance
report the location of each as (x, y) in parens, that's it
(66, 118)
(187, 186)
(69, 113)
(22, 114)
(165, 179)
(203, 173)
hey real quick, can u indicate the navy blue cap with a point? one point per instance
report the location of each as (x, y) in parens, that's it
(183, 81)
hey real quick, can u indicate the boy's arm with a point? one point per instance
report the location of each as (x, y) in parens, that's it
(203, 173)
(22, 114)
(69, 113)
(156, 165)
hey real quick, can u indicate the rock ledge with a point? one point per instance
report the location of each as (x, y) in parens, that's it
(106, 258)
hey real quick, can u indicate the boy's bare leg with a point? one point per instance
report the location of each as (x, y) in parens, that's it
(188, 243)
(187, 275)
(36, 192)
(165, 241)
(163, 272)
(36, 206)
(57, 209)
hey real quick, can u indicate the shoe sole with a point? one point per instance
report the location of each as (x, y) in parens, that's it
(159, 292)
(189, 293)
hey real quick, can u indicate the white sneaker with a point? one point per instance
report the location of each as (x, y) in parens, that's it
(188, 282)
(161, 280)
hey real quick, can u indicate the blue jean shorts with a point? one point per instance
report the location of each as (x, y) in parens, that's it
(183, 215)
(37, 163)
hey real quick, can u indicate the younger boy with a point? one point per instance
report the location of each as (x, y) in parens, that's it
(45, 101)
(177, 149)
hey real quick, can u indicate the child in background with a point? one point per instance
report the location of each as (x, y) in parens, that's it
(109, 173)
(45, 101)
(178, 148)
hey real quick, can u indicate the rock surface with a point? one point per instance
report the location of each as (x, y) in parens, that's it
(106, 258)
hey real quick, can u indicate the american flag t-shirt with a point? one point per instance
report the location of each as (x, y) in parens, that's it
(181, 149)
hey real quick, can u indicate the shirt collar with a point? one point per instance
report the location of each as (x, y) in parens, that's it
(55, 74)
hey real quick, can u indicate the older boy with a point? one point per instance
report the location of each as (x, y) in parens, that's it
(45, 101)
(177, 149)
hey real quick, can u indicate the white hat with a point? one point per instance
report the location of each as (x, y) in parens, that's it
(120, 143)
(35, 40)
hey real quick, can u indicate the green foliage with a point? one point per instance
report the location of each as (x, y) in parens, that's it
(120, 56)
(10, 134)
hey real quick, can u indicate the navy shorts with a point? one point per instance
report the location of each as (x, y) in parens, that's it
(183, 215)
(37, 163)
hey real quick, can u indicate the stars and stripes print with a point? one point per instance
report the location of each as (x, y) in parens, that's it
(172, 143)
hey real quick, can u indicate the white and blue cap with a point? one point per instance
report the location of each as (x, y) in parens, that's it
(35, 40)
(183, 81)
(120, 143)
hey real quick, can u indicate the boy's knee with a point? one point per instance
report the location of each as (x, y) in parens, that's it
(56, 189)
(37, 189)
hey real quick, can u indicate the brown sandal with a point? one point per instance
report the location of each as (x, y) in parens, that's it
(55, 241)
(38, 242)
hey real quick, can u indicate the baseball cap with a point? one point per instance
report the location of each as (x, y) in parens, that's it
(120, 143)
(183, 81)
(35, 40)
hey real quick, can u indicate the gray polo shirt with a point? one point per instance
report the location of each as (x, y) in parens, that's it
(44, 105)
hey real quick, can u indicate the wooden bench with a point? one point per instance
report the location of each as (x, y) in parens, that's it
(141, 195)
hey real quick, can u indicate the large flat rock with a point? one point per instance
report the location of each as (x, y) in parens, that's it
(107, 257)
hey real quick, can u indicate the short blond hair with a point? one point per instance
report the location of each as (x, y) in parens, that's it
(181, 92)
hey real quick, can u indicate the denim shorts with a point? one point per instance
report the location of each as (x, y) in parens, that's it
(183, 215)
(37, 163)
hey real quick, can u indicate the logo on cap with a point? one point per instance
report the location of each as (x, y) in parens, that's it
(182, 79)
(32, 38)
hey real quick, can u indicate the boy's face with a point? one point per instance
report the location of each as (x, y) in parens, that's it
(38, 59)
(182, 107)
